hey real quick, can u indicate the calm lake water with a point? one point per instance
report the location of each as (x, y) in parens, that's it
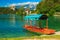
(11, 25)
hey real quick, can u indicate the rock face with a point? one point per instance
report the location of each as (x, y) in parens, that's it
(29, 5)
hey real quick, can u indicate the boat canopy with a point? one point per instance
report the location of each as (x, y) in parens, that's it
(35, 17)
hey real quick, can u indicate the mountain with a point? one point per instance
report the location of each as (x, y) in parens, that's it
(31, 5)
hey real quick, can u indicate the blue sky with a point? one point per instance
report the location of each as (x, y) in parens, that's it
(4, 3)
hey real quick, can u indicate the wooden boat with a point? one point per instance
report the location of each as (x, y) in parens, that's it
(35, 17)
(39, 30)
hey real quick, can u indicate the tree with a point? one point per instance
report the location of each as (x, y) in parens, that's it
(20, 10)
(48, 6)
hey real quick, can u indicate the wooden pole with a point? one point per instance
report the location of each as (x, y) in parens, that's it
(47, 23)
(40, 23)
(30, 22)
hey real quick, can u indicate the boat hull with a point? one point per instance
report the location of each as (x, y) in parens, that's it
(39, 30)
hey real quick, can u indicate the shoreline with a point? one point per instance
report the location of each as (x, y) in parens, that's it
(55, 36)
(49, 37)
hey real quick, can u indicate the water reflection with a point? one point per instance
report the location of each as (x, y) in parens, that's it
(12, 25)
(12, 20)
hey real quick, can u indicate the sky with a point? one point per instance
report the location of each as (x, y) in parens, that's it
(5, 3)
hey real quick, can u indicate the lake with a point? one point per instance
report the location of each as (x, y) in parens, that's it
(11, 25)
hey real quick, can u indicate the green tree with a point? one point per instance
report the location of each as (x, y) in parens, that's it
(21, 10)
(48, 6)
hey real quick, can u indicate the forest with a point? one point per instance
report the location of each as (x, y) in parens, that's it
(44, 7)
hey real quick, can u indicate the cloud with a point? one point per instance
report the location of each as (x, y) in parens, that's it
(25, 3)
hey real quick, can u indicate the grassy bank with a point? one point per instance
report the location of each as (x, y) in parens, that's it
(46, 37)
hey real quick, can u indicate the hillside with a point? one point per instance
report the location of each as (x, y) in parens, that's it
(48, 7)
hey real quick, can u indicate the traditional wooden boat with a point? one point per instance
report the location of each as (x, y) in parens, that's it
(39, 30)
(35, 17)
